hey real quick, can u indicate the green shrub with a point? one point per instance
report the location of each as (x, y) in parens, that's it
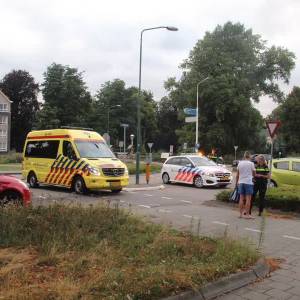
(286, 198)
(154, 167)
(11, 158)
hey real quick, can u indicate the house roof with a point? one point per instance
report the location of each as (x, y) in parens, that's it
(5, 97)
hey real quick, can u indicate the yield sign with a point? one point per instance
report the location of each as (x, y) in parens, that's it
(272, 127)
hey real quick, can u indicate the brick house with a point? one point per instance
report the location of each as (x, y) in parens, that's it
(5, 123)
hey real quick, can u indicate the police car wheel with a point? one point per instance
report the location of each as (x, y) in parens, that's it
(79, 185)
(165, 178)
(32, 180)
(198, 182)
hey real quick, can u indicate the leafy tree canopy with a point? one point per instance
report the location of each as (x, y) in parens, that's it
(241, 68)
(66, 97)
(19, 86)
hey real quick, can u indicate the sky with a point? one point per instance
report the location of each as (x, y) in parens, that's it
(101, 37)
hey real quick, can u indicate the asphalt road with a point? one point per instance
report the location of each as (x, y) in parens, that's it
(187, 208)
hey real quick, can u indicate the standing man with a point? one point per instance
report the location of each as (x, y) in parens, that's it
(244, 181)
(261, 181)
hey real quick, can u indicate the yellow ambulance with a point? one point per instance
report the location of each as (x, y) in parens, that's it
(74, 158)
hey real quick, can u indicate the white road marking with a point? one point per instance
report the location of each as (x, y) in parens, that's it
(187, 216)
(148, 195)
(146, 206)
(122, 201)
(291, 237)
(164, 210)
(185, 201)
(220, 223)
(251, 229)
(168, 198)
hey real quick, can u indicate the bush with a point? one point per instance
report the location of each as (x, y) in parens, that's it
(11, 158)
(285, 198)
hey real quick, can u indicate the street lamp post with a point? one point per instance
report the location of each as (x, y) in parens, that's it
(138, 137)
(124, 143)
(197, 117)
(108, 112)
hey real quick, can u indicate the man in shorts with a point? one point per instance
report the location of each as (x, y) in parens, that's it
(244, 181)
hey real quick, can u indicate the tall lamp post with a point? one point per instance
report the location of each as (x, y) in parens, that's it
(108, 113)
(138, 137)
(197, 116)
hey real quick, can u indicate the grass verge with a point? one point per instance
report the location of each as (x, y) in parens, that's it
(10, 167)
(62, 252)
(154, 167)
(285, 198)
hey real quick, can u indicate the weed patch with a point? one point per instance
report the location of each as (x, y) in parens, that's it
(62, 252)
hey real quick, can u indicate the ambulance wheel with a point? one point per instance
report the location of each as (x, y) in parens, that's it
(32, 180)
(198, 182)
(79, 185)
(165, 178)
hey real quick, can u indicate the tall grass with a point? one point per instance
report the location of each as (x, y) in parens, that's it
(62, 252)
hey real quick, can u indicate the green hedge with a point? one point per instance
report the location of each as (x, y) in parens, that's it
(286, 198)
(11, 158)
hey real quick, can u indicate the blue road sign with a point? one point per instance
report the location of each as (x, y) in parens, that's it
(190, 111)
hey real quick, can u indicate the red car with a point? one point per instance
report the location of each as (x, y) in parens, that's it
(13, 191)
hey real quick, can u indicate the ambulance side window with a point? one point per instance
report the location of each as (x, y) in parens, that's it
(68, 150)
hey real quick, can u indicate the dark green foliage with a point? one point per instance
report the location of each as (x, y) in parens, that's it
(286, 198)
(289, 114)
(67, 100)
(241, 68)
(19, 86)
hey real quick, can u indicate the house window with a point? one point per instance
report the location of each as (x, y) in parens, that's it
(3, 132)
(3, 107)
(3, 146)
(3, 119)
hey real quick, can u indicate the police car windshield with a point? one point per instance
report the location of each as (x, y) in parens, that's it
(93, 149)
(202, 162)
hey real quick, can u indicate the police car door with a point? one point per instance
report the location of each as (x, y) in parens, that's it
(174, 168)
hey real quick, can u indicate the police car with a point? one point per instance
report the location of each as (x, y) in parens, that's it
(195, 170)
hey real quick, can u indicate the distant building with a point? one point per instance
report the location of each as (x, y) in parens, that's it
(5, 120)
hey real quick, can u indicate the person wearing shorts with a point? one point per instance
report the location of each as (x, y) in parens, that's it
(244, 181)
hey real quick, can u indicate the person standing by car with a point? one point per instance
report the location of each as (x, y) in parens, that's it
(244, 181)
(261, 182)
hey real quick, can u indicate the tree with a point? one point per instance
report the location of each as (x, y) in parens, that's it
(241, 68)
(288, 113)
(114, 93)
(66, 97)
(19, 86)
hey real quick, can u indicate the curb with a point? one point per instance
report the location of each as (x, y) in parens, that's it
(145, 188)
(225, 284)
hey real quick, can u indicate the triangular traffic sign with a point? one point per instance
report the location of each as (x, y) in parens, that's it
(272, 127)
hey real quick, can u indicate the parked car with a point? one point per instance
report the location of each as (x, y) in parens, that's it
(285, 171)
(13, 191)
(195, 170)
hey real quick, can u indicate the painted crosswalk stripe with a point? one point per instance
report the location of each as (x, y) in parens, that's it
(187, 216)
(291, 237)
(168, 198)
(145, 206)
(251, 229)
(164, 210)
(185, 201)
(220, 223)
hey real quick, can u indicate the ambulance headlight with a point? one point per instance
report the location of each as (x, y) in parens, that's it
(93, 171)
(126, 172)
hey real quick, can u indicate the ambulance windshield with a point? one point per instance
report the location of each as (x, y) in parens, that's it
(93, 149)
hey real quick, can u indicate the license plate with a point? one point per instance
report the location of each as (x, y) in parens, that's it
(115, 184)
